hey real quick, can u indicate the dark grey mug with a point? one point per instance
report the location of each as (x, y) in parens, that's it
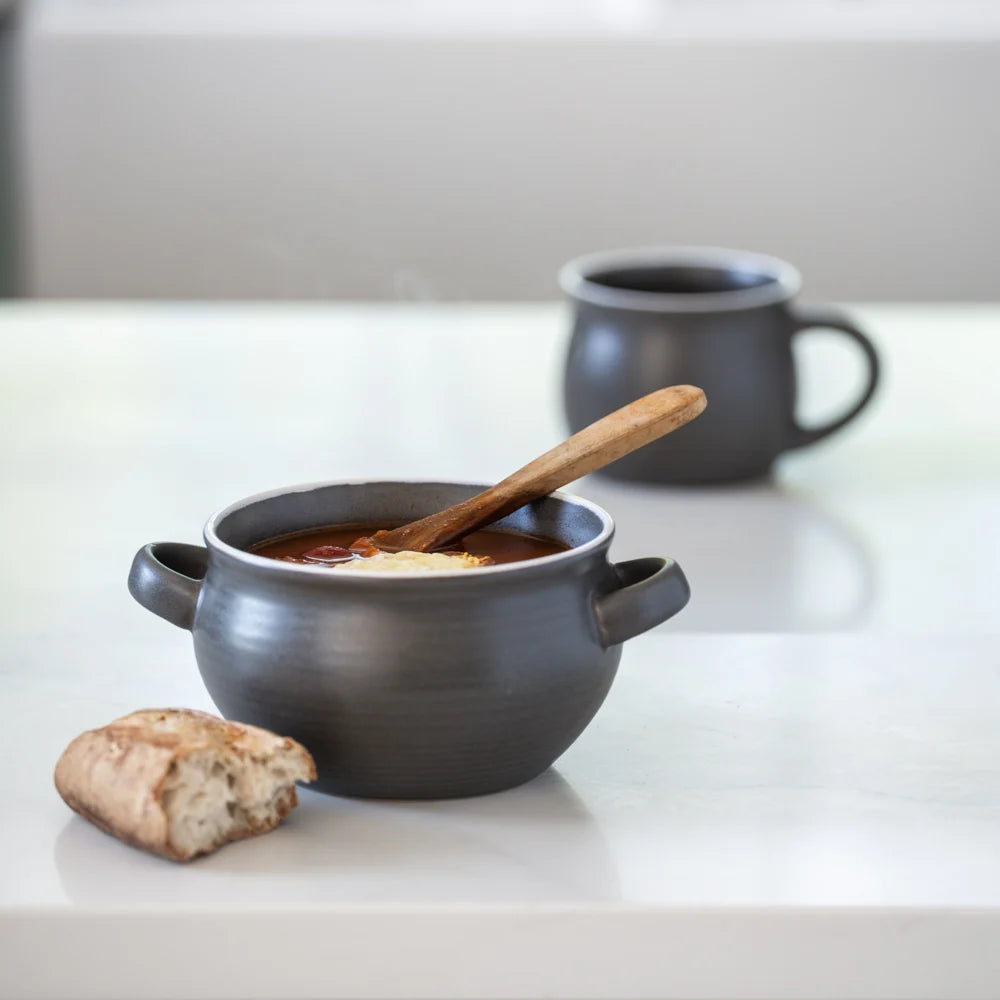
(719, 319)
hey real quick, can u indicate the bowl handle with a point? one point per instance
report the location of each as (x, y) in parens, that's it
(166, 579)
(652, 590)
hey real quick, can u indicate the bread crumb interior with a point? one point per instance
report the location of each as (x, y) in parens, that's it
(210, 797)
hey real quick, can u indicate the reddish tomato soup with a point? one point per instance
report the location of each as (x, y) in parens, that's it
(331, 545)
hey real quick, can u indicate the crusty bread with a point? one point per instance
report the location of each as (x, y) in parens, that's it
(181, 783)
(409, 562)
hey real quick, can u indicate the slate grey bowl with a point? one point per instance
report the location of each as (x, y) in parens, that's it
(406, 685)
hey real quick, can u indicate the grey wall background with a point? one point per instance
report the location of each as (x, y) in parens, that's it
(9, 216)
(320, 164)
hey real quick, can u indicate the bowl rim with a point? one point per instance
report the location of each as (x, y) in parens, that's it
(273, 566)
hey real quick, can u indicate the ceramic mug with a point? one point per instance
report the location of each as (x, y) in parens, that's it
(720, 319)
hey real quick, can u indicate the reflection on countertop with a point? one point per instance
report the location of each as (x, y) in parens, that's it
(759, 557)
(538, 841)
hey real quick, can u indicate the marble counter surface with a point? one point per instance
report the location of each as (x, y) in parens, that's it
(793, 789)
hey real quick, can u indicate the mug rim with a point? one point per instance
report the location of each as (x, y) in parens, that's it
(266, 564)
(576, 278)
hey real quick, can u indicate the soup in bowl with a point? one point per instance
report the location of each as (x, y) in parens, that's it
(408, 683)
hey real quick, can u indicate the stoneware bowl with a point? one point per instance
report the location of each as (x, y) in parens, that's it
(406, 685)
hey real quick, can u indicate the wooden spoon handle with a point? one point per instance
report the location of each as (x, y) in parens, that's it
(604, 441)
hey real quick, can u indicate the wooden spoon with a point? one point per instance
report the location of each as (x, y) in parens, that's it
(604, 441)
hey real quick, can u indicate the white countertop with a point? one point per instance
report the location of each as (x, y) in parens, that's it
(793, 789)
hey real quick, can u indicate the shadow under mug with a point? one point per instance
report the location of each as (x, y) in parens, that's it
(720, 319)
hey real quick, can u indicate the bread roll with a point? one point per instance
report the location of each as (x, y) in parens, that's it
(182, 783)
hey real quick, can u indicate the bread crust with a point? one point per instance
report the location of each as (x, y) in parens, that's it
(114, 776)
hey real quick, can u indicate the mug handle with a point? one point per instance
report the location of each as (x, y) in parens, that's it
(166, 579)
(651, 591)
(831, 319)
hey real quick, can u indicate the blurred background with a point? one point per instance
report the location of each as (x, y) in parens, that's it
(401, 149)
